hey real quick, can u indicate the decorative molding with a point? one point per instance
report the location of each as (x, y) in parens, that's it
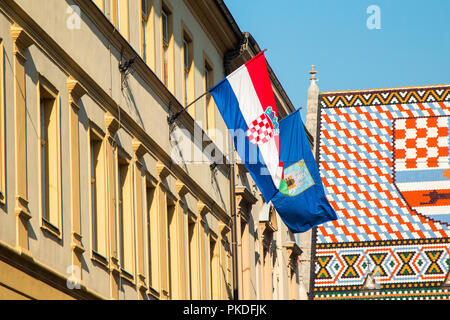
(182, 190)
(244, 200)
(377, 97)
(224, 228)
(293, 249)
(114, 266)
(112, 124)
(162, 170)
(77, 246)
(138, 148)
(267, 234)
(22, 210)
(76, 91)
(142, 286)
(292, 253)
(202, 208)
(21, 40)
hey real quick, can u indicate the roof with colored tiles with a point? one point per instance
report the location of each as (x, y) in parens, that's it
(385, 96)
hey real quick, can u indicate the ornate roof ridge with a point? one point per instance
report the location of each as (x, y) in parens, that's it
(386, 89)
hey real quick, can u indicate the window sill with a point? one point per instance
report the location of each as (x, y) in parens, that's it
(127, 276)
(51, 229)
(98, 258)
(142, 285)
(154, 293)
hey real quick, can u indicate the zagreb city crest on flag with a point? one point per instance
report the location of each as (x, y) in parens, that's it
(422, 165)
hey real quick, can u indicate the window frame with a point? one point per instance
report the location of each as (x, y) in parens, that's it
(209, 104)
(151, 209)
(125, 189)
(188, 67)
(51, 219)
(165, 41)
(2, 127)
(120, 16)
(145, 20)
(214, 265)
(95, 134)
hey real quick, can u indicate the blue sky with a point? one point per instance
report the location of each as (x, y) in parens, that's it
(412, 48)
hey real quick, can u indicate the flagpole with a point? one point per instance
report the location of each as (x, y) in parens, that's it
(233, 218)
(174, 117)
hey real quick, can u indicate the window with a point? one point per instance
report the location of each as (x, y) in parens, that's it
(209, 103)
(213, 269)
(145, 19)
(125, 215)
(151, 212)
(267, 273)
(227, 265)
(192, 257)
(245, 259)
(187, 51)
(49, 157)
(170, 242)
(119, 16)
(186, 67)
(2, 128)
(98, 195)
(165, 45)
(115, 13)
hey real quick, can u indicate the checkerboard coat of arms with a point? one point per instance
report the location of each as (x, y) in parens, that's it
(263, 128)
(422, 165)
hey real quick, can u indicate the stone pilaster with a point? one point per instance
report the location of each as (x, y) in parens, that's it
(21, 42)
(76, 91)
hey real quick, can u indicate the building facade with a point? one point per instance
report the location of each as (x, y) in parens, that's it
(101, 196)
(384, 159)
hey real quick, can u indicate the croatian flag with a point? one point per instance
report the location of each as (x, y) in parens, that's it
(276, 154)
(246, 102)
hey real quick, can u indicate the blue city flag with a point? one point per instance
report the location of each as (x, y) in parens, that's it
(300, 200)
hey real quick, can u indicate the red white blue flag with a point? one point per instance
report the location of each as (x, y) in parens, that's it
(247, 104)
